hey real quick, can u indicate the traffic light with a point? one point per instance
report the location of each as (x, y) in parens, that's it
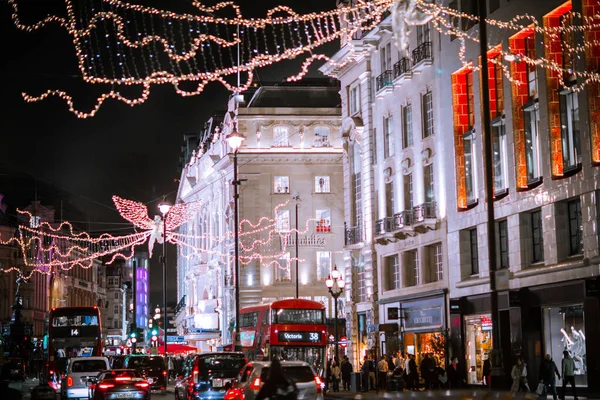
(133, 336)
(155, 332)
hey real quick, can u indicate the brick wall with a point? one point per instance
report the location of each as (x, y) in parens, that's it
(592, 60)
(520, 97)
(461, 125)
(553, 53)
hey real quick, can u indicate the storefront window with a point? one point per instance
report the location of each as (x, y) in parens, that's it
(564, 330)
(431, 343)
(478, 344)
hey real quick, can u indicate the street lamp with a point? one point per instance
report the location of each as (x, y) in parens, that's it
(235, 139)
(164, 208)
(335, 283)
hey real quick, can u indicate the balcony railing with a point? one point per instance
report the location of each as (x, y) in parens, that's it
(425, 211)
(402, 67)
(403, 218)
(384, 225)
(353, 235)
(383, 80)
(422, 53)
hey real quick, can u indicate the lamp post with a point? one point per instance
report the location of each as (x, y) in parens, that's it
(335, 283)
(164, 208)
(235, 139)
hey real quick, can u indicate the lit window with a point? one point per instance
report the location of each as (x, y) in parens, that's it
(283, 220)
(407, 126)
(321, 137)
(281, 184)
(282, 268)
(323, 264)
(280, 137)
(324, 220)
(470, 166)
(388, 137)
(499, 155)
(569, 123)
(322, 184)
(427, 114)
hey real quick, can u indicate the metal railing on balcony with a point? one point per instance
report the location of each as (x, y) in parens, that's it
(383, 80)
(353, 235)
(422, 53)
(403, 218)
(425, 211)
(402, 67)
(384, 225)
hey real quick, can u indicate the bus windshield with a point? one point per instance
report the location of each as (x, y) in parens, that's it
(297, 316)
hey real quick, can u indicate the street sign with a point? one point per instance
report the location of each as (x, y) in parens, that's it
(343, 341)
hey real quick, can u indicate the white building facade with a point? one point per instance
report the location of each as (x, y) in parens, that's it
(292, 149)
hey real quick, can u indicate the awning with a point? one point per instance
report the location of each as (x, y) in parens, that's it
(176, 348)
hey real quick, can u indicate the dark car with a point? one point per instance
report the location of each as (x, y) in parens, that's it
(119, 384)
(210, 376)
(152, 368)
(16, 369)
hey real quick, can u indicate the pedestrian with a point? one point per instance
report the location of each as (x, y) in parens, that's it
(346, 372)
(335, 376)
(413, 374)
(364, 370)
(455, 374)
(487, 372)
(277, 386)
(372, 375)
(427, 371)
(328, 375)
(568, 374)
(548, 373)
(383, 368)
(519, 377)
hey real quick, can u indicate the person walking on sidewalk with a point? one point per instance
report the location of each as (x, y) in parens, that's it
(383, 368)
(346, 372)
(364, 370)
(335, 377)
(548, 373)
(568, 374)
(519, 377)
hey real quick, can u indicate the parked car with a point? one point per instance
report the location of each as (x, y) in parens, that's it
(119, 384)
(74, 384)
(153, 368)
(210, 376)
(255, 373)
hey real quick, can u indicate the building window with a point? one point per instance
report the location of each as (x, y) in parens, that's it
(407, 126)
(408, 192)
(438, 261)
(427, 114)
(470, 166)
(354, 100)
(567, 39)
(531, 70)
(433, 267)
(428, 183)
(282, 268)
(322, 137)
(324, 220)
(361, 282)
(388, 137)
(493, 6)
(474, 251)
(423, 34)
(281, 184)
(280, 137)
(386, 57)
(323, 264)
(283, 221)
(357, 184)
(499, 155)
(497, 102)
(468, 7)
(392, 266)
(389, 199)
(575, 227)
(116, 309)
(503, 241)
(537, 234)
(470, 98)
(322, 184)
(531, 118)
(117, 295)
(569, 122)
(411, 268)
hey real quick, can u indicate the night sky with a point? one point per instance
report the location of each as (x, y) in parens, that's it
(76, 165)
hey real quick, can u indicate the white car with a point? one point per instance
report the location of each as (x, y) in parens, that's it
(254, 374)
(74, 384)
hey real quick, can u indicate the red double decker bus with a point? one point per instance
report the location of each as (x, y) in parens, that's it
(292, 329)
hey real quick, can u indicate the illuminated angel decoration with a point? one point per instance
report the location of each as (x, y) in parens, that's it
(405, 15)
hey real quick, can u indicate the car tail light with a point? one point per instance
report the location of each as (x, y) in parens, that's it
(143, 385)
(319, 383)
(255, 384)
(123, 378)
(69, 381)
(234, 394)
(104, 386)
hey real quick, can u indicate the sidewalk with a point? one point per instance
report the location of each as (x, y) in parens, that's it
(373, 395)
